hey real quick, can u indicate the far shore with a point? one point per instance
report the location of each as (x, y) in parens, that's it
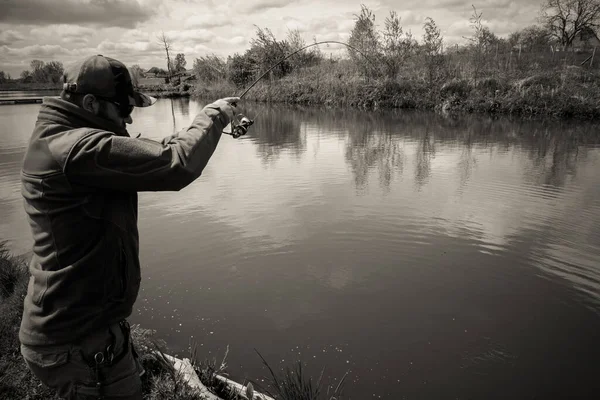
(571, 93)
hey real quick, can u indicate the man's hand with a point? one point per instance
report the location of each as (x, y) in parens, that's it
(226, 106)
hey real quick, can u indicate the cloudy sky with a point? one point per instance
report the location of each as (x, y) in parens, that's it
(65, 30)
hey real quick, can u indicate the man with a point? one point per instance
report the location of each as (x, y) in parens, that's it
(80, 179)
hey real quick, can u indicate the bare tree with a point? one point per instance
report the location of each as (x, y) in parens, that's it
(565, 19)
(164, 40)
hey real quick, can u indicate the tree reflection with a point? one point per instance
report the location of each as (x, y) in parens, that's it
(425, 153)
(370, 146)
(182, 107)
(378, 142)
(276, 130)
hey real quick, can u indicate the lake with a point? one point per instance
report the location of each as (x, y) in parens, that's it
(430, 257)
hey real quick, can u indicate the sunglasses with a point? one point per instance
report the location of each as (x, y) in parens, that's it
(125, 110)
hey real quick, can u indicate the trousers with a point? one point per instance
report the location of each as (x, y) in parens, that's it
(102, 366)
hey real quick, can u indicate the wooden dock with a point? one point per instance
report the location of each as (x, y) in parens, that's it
(22, 100)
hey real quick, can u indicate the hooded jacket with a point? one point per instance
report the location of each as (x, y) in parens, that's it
(80, 179)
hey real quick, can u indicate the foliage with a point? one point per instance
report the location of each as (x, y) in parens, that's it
(179, 63)
(531, 38)
(566, 19)
(209, 68)
(42, 72)
(157, 71)
(240, 69)
(137, 73)
(432, 50)
(304, 58)
(4, 77)
(365, 38)
(266, 51)
(397, 45)
(294, 384)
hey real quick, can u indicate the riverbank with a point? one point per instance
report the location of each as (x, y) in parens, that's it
(571, 93)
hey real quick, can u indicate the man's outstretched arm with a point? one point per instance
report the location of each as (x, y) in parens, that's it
(104, 160)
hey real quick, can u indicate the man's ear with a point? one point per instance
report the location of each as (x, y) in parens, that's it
(90, 104)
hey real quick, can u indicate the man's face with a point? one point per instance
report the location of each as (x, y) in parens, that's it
(110, 111)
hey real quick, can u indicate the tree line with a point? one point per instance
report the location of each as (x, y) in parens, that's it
(383, 53)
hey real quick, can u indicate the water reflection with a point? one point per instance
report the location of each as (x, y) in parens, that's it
(275, 132)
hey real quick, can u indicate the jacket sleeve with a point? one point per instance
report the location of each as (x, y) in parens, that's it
(104, 160)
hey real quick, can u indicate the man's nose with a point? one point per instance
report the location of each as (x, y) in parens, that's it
(128, 120)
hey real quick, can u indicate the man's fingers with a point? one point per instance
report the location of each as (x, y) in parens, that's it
(232, 100)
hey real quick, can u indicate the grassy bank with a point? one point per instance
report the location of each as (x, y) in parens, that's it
(161, 381)
(571, 92)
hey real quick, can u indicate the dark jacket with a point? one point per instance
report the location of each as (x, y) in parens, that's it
(80, 181)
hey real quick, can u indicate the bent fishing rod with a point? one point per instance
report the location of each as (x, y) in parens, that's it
(239, 128)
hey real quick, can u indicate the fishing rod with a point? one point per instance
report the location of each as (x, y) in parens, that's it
(239, 128)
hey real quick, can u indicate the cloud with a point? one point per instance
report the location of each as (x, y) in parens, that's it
(67, 34)
(121, 13)
(128, 47)
(9, 37)
(207, 21)
(194, 36)
(262, 5)
(38, 51)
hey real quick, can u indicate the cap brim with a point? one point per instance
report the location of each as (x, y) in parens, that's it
(141, 100)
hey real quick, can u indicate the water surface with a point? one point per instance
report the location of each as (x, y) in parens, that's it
(430, 257)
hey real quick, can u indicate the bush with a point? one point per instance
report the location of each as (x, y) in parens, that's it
(456, 88)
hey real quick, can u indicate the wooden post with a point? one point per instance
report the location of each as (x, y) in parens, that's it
(593, 54)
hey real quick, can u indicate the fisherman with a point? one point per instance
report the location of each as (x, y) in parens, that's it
(80, 179)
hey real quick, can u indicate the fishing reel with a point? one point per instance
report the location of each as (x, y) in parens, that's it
(240, 125)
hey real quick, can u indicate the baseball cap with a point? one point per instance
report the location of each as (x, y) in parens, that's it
(104, 77)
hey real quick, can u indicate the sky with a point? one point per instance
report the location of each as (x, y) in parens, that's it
(128, 30)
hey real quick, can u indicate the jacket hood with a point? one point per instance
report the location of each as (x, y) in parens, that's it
(64, 113)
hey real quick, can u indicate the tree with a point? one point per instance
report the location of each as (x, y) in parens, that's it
(3, 77)
(482, 42)
(157, 71)
(137, 73)
(364, 38)
(37, 71)
(164, 40)
(179, 63)
(432, 48)
(533, 37)
(267, 51)
(566, 19)
(209, 68)
(26, 76)
(397, 45)
(53, 71)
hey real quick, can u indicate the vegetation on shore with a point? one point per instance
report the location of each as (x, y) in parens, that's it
(161, 380)
(540, 70)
